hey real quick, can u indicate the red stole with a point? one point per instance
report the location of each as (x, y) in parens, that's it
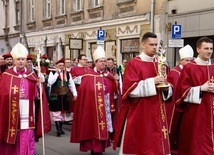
(13, 112)
(90, 106)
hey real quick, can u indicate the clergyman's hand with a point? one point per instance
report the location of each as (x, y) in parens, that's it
(159, 79)
(208, 87)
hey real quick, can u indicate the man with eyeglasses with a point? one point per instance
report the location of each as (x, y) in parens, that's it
(68, 64)
(186, 55)
(94, 109)
(77, 73)
(90, 63)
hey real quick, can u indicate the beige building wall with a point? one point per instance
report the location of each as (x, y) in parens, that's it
(194, 16)
(122, 19)
(9, 31)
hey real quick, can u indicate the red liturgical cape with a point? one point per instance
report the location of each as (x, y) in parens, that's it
(9, 106)
(75, 72)
(173, 116)
(197, 126)
(89, 120)
(146, 128)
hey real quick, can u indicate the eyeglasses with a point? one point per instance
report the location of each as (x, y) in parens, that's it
(89, 62)
(102, 61)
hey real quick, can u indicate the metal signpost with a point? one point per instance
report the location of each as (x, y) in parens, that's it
(176, 40)
(101, 37)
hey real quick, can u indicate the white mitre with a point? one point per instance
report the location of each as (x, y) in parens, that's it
(186, 52)
(19, 51)
(99, 53)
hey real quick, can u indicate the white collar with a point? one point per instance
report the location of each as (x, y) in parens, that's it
(181, 66)
(95, 69)
(199, 61)
(145, 57)
(15, 69)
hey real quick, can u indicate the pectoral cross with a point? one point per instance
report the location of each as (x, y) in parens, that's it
(212, 80)
(102, 125)
(15, 89)
(12, 132)
(164, 130)
(99, 85)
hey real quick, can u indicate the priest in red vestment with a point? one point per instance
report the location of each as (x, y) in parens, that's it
(77, 72)
(142, 123)
(174, 116)
(195, 99)
(94, 108)
(19, 128)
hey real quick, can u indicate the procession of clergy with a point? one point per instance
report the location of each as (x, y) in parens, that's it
(128, 108)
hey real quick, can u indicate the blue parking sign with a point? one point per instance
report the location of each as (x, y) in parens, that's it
(176, 31)
(100, 34)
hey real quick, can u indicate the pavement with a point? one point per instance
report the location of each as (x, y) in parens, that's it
(61, 145)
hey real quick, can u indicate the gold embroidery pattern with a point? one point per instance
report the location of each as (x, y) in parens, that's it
(14, 110)
(15, 89)
(100, 105)
(165, 132)
(162, 112)
(12, 132)
(99, 85)
(102, 124)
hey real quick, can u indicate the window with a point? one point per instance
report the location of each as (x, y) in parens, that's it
(31, 11)
(17, 13)
(62, 7)
(96, 2)
(120, 1)
(47, 8)
(78, 5)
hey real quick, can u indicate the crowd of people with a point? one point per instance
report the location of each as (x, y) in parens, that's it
(121, 104)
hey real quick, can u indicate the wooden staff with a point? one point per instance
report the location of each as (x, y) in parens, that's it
(41, 102)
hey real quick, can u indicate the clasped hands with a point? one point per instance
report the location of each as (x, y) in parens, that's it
(208, 87)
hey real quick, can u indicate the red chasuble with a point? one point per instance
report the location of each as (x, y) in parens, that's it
(197, 126)
(173, 116)
(9, 105)
(89, 120)
(146, 128)
(75, 72)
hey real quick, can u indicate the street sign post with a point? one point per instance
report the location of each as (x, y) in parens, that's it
(101, 34)
(176, 31)
(176, 42)
(100, 37)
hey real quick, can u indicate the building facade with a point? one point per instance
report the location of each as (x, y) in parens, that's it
(65, 28)
(195, 19)
(9, 25)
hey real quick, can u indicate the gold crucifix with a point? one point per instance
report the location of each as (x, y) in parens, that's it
(15, 89)
(164, 130)
(102, 125)
(12, 132)
(212, 80)
(99, 85)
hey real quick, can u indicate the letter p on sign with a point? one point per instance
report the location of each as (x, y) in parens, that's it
(176, 31)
